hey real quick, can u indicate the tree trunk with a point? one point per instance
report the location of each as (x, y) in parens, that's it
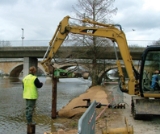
(94, 73)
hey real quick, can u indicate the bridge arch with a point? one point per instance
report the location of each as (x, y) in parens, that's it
(108, 68)
(5, 67)
(17, 69)
(67, 65)
(1, 70)
(41, 68)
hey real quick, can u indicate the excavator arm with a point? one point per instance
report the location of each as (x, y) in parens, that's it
(99, 30)
(55, 43)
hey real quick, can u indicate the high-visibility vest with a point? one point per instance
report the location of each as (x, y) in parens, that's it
(30, 90)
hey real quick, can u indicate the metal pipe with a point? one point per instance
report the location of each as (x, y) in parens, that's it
(31, 128)
(54, 97)
(124, 130)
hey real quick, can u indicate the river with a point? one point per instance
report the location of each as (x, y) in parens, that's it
(12, 106)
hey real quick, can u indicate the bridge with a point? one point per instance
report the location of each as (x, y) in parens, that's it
(30, 56)
(14, 67)
(64, 52)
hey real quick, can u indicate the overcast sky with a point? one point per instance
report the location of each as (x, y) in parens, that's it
(140, 19)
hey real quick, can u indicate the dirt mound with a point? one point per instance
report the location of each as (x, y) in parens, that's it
(94, 93)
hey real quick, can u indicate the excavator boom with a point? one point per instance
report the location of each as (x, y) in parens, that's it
(55, 43)
(99, 30)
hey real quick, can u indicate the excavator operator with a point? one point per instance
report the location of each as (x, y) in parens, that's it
(155, 79)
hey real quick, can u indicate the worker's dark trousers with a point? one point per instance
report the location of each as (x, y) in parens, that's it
(30, 105)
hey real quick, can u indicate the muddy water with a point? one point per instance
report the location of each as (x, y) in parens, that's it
(12, 106)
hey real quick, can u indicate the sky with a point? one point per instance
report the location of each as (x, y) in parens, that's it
(140, 19)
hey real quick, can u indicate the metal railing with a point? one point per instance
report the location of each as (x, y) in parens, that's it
(30, 43)
(18, 43)
(87, 122)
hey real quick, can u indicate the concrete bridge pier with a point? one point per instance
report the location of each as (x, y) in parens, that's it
(27, 63)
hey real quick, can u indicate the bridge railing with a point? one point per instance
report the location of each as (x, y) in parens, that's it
(25, 43)
(20, 43)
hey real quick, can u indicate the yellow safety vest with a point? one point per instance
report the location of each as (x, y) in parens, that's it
(30, 90)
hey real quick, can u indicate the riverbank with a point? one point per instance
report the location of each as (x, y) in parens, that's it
(68, 116)
(111, 118)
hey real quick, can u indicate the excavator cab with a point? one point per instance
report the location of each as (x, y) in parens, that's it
(147, 103)
(150, 70)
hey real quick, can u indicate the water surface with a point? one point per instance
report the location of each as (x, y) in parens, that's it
(12, 106)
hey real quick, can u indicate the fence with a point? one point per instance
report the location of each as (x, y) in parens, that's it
(25, 43)
(86, 124)
(20, 43)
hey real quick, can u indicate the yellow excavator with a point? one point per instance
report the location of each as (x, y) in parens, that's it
(145, 98)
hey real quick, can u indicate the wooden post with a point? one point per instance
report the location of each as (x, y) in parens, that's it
(54, 97)
(31, 128)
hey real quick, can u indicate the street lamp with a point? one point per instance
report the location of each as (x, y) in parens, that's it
(22, 35)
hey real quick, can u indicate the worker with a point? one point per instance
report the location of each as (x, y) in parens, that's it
(154, 81)
(30, 92)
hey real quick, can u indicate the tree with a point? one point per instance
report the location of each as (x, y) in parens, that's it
(156, 43)
(5, 43)
(100, 11)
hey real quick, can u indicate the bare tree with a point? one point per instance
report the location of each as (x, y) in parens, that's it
(100, 11)
(156, 43)
(5, 43)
